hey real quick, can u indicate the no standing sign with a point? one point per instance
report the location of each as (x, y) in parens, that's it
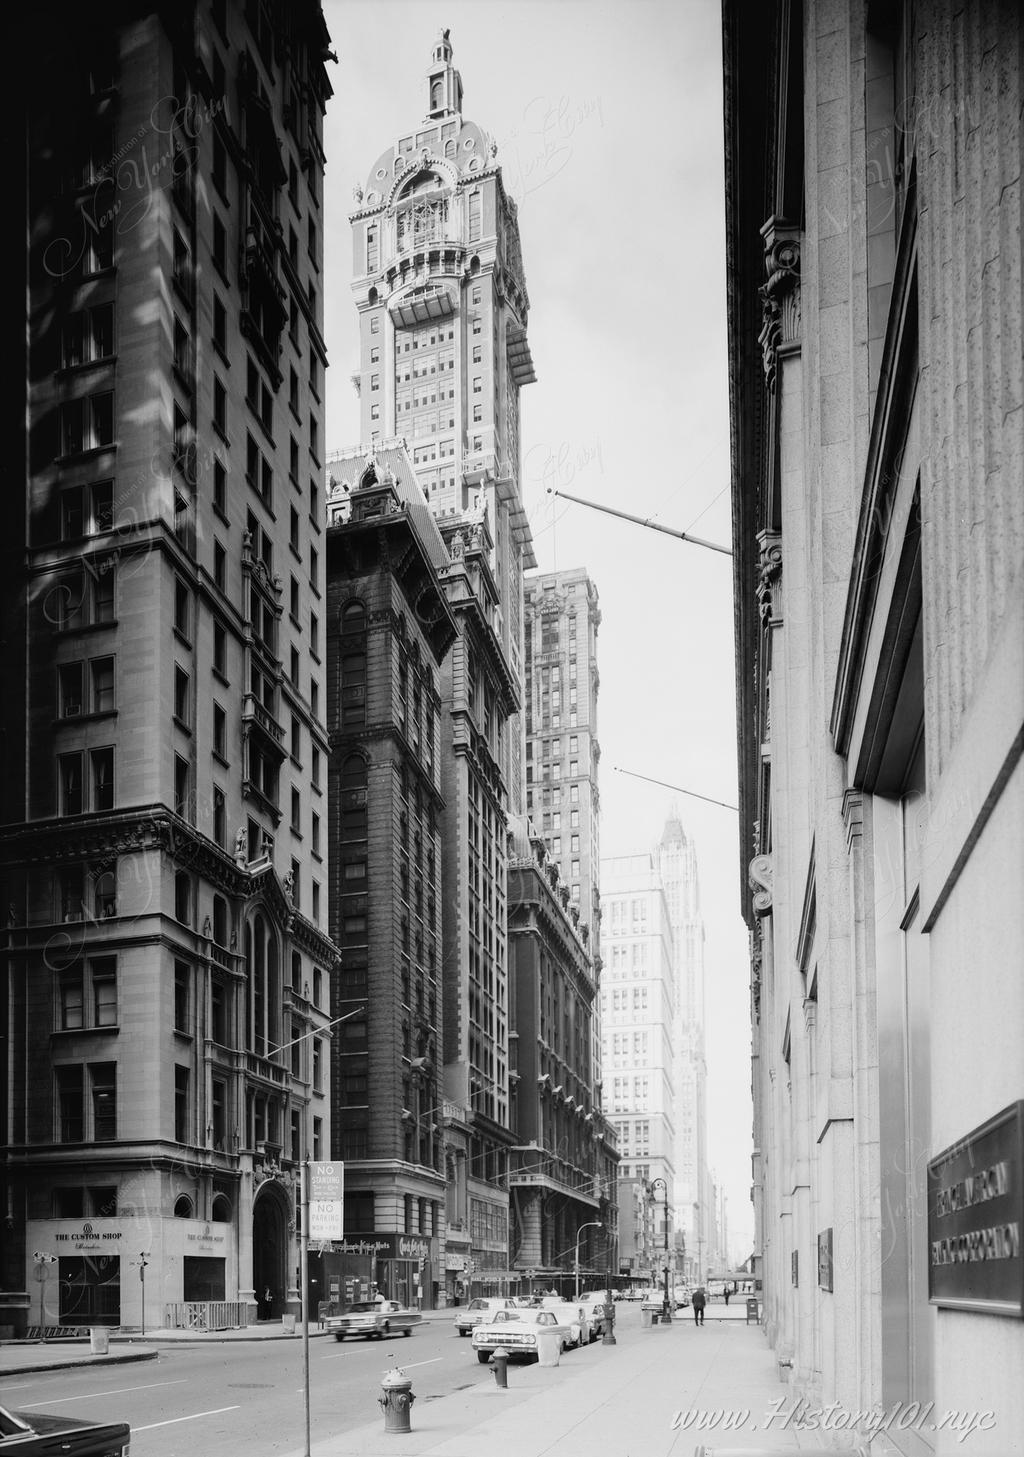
(326, 1201)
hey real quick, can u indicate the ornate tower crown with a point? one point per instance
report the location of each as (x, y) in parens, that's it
(444, 84)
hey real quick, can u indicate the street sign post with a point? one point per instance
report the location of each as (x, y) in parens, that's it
(322, 1197)
(326, 1201)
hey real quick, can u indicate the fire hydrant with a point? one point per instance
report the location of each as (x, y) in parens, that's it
(396, 1399)
(499, 1365)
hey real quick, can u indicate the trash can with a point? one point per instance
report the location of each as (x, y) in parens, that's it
(99, 1340)
(752, 1315)
(288, 1324)
(549, 1348)
(646, 1319)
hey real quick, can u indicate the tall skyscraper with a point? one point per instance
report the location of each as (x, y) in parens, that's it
(676, 860)
(439, 288)
(390, 630)
(164, 803)
(563, 754)
(638, 992)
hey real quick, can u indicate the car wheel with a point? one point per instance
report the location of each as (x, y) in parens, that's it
(407, 1331)
(338, 1336)
(463, 1333)
(385, 1329)
(483, 1357)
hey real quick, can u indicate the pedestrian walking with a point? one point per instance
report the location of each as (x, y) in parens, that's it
(698, 1303)
(728, 1292)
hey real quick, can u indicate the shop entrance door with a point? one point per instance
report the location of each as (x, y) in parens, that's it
(90, 1290)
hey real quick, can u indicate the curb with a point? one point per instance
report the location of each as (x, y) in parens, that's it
(81, 1361)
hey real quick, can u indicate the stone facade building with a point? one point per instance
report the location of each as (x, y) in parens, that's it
(167, 970)
(441, 296)
(389, 632)
(638, 992)
(874, 256)
(562, 1174)
(693, 1196)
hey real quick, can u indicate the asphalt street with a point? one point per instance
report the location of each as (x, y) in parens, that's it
(246, 1398)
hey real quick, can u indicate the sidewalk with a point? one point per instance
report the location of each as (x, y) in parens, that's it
(643, 1397)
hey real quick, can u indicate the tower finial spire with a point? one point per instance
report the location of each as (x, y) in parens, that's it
(444, 84)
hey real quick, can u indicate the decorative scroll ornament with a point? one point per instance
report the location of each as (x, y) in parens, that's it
(780, 295)
(760, 876)
(769, 576)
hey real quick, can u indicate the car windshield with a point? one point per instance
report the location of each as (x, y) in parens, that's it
(479, 1305)
(361, 1308)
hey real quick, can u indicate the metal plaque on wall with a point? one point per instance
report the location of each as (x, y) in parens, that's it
(825, 1259)
(975, 1216)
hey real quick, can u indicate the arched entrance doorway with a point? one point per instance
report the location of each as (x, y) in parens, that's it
(270, 1216)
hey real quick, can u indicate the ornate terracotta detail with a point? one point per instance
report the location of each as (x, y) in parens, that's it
(756, 959)
(769, 576)
(760, 876)
(780, 295)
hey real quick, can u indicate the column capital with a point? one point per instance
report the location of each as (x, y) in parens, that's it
(780, 293)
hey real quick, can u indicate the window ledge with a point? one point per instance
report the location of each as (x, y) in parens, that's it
(97, 715)
(63, 1032)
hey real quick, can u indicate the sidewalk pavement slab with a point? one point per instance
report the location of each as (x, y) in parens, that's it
(643, 1397)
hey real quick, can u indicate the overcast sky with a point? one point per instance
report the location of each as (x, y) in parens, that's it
(608, 120)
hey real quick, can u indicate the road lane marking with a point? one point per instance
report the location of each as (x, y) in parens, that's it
(193, 1418)
(118, 1391)
(408, 1365)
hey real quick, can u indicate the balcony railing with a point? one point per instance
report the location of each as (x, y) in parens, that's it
(262, 1067)
(253, 711)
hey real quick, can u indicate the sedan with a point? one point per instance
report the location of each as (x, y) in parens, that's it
(36, 1435)
(594, 1307)
(373, 1319)
(518, 1331)
(653, 1300)
(481, 1309)
(575, 1316)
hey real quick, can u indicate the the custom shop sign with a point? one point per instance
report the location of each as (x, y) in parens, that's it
(200, 1238)
(975, 1219)
(87, 1237)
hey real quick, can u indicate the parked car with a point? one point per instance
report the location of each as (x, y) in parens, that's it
(682, 1296)
(574, 1314)
(35, 1435)
(373, 1319)
(593, 1302)
(483, 1308)
(516, 1330)
(653, 1300)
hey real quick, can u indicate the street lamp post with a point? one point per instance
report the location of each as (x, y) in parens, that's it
(593, 1224)
(666, 1311)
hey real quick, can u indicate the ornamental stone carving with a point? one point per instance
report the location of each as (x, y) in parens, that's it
(756, 956)
(769, 577)
(780, 294)
(760, 876)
